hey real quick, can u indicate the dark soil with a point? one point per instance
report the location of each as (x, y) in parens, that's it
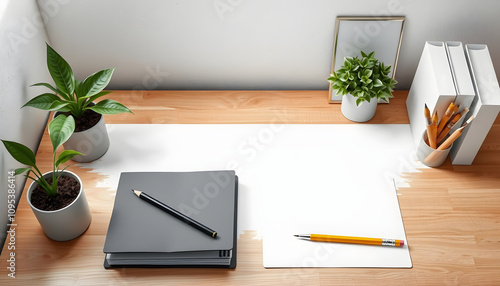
(67, 190)
(87, 121)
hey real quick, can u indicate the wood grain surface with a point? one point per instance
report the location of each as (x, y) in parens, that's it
(451, 213)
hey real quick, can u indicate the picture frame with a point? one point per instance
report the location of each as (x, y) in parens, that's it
(354, 34)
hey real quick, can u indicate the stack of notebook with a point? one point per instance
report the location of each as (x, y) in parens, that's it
(142, 235)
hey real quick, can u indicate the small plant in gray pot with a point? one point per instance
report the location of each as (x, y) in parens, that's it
(56, 197)
(362, 82)
(76, 98)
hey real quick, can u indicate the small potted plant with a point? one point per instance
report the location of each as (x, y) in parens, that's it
(56, 197)
(75, 98)
(362, 82)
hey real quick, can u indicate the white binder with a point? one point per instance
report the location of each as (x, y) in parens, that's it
(432, 85)
(485, 107)
(461, 77)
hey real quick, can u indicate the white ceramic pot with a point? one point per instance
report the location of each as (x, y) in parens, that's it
(93, 142)
(361, 113)
(66, 223)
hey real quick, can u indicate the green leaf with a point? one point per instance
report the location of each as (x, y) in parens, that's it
(94, 97)
(65, 156)
(76, 109)
(60, 129)
(96, 82)
(366, 80)
(59, 106)
(360, 74)
(21, 170)
(364, 62)
(385, 69)
(344, 77)
(367, 73)
(82, 102)
(71, 108)
(57, 91)
(352, 85)
(341, 91)
(45, 102)
(109, 106)
(21, 153)
(78, 88)
(60, 71)
(359, 100)
(47, 86)
(347, 64)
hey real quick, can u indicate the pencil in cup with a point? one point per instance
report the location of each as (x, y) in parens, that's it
(430, 127)
(433, 131)
(448, 113)
(446, 145)
(451, 123)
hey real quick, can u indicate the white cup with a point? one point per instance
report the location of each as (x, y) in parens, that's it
(429, 156)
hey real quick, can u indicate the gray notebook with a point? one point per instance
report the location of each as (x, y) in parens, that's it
(141, 234)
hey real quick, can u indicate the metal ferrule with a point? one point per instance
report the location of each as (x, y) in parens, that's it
(388, 242)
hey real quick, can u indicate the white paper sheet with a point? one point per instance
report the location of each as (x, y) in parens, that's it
(293, 179)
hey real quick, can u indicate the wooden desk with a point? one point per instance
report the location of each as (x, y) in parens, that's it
(451, 214)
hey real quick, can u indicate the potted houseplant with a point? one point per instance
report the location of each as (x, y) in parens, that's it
(76, 98)
(56, 197)
(362, 82)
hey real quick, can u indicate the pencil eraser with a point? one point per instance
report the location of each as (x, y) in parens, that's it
(402, 242)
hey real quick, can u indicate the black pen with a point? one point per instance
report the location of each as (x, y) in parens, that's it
(175, 213)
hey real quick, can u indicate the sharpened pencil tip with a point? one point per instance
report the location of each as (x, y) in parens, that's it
(296, 235)
(138, 193)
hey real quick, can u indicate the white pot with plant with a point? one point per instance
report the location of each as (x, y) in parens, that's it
(75, 98)
(56, 197)
(362, 82)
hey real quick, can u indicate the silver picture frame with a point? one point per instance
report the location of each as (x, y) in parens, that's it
(354, 34)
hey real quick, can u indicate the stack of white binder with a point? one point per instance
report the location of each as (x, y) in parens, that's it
(446, 73)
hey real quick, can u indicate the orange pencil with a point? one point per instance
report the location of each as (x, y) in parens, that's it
(432, 136)
(455, 109)
(450, 125)
(454, 136)
(352, 239)
(445, 118)
(428, 121)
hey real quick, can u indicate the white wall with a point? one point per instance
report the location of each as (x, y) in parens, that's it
(22, 63)
(252, 44)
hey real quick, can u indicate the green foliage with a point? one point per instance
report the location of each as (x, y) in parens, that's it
(364, 78)
(72, 95)
(60, 129)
